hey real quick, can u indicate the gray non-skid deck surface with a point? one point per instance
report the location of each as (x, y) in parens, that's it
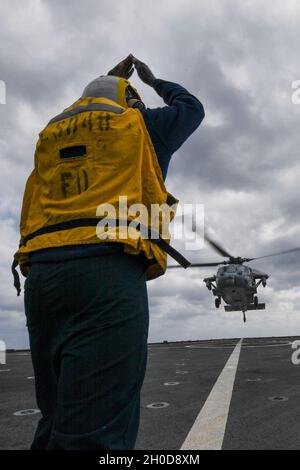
(254, 421)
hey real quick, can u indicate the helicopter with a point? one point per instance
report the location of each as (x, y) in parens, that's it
(235, 282)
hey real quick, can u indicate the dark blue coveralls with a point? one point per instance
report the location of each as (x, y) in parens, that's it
(87, 317)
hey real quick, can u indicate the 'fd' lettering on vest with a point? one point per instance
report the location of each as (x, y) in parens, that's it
(78, 181)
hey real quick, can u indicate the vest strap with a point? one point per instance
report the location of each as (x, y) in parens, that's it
(92, 222)
(16, 276)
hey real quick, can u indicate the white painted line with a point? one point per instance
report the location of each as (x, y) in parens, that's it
(244, 346)
(207, 432)
(31, 411)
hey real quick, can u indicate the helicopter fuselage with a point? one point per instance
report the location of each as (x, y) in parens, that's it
(237, 285)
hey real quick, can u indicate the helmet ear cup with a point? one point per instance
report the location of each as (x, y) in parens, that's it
(134, 103)
(139, 105)
(133, 99)
(131, 92)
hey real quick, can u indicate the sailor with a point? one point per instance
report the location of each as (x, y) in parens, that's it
(85, 294)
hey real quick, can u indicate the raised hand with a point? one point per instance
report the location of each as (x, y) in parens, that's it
(144, 72)
(124, 68)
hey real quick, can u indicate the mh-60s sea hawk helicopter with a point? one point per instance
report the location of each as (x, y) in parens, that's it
(235, 283)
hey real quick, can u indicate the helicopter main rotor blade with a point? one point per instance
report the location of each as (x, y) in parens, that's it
(293, 250)
(257, 271)
(218, 248)
(197, 265)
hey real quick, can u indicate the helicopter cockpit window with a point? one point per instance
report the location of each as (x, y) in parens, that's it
(230, 269)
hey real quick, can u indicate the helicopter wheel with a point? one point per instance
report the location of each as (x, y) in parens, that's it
(255, 300)
(217, 302)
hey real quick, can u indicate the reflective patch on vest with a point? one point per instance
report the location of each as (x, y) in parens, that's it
(74, 151)
(89, 107)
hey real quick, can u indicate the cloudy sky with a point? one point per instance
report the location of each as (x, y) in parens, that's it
(239, 58)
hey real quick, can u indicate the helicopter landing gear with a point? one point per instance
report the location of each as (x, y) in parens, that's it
(255, 300)
(217, 302)
(244, 317)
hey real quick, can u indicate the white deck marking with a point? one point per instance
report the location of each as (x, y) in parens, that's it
(245, 345)
(207, 432)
